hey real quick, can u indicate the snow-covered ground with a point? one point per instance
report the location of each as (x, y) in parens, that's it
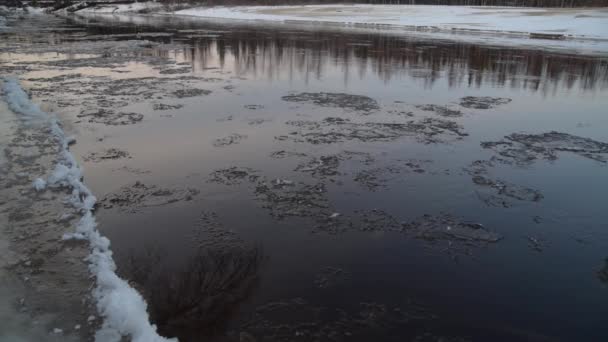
(138, 7)
(123, 309)
(583, 22)
(574, 30)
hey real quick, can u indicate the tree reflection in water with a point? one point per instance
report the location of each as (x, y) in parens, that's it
(307, 54)
(199, 296)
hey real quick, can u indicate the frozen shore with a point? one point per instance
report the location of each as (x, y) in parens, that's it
(579, 23)
(570, 30)
(122, 308)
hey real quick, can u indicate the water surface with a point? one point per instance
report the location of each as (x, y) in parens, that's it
(334, 261)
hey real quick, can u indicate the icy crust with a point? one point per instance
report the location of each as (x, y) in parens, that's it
(137, 7)
(124, 310)
(579, 22)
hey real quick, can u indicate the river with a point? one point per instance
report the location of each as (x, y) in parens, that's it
(284, 183)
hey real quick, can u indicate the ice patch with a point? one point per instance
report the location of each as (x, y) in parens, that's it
(137, 7)
(39, 184)
(35, 10)
(18, 101)
(578, 22)
(123, 309)
(584, 30)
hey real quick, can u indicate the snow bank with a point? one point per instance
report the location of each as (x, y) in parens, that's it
(28, 9)
(123, 309)
(36, 10)
(138, 7)
(576, 22)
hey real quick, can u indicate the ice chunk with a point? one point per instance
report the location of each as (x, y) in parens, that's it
(39, 184)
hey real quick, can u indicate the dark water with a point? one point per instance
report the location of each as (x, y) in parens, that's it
(541, 282)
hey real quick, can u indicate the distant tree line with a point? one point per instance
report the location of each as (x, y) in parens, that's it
(513, 3)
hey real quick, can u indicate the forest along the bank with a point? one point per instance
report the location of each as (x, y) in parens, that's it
(277, 185)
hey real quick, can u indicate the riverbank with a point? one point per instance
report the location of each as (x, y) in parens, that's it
(57, 273)
(567, 23)
(579, 30)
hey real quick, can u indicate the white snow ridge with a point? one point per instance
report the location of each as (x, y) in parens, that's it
(123, 309)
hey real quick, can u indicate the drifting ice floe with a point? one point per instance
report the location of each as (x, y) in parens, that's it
(123, 309)
(39, 184)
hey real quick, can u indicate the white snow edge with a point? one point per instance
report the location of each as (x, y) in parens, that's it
(571, 22)
(123, 8)
(123, 309)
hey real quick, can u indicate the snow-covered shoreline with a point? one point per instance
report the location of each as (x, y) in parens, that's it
(576, 23)
(570, 30)
(123, 309)
(138, 7)
(585, 46)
